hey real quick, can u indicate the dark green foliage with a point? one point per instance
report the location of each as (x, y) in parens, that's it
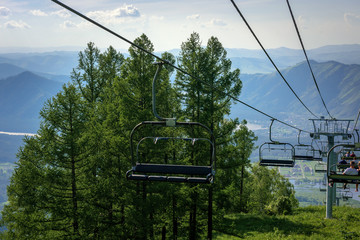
(269, 192)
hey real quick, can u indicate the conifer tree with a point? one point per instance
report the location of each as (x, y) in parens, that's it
(47, 188)
(206, 99)
(133, 94)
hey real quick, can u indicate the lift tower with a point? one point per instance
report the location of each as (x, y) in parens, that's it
(331, 128)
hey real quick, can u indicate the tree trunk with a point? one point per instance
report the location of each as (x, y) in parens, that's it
(193, 212)
(209, 234)
(242, 187)
(174, 218)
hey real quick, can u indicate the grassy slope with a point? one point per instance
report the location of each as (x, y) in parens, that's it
(305, 223)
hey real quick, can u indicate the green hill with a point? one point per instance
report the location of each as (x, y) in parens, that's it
(338, 83)
(305, 223)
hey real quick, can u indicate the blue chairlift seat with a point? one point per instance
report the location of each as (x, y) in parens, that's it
(274, 160)
(172, 172)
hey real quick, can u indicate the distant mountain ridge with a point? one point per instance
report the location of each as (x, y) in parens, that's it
(339, 85)
(247, 60)
(21, 98)
(252, 61)
(285, 57)
(8, 70)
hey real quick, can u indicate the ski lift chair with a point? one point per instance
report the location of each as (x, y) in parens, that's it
(337, 176)
(154, 171)
(304, 152)
(146, 170)
(320, 167)
(275, 153)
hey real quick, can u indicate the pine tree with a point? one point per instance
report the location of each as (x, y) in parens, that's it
(206, 99)
(48, 183)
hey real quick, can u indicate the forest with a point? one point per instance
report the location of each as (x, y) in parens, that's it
(70, 179)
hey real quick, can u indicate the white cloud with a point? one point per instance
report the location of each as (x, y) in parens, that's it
(352, 18)
(4, 12)
(68, 24)
(18, 134)
(301, 22)
(38, 13)
(16, 25)
(114, 15)
(158, 18)
(62, 13)
(218, 22)
(253, 127)
(193, 17)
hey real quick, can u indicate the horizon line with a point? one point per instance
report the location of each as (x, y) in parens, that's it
(25, 49)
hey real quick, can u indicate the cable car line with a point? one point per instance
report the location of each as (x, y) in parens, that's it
(170, 64)
(277, 69)
(307, 59)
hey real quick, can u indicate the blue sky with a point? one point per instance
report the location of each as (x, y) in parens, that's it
(44, 24)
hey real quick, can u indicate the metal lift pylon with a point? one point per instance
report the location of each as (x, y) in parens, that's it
(330, 128)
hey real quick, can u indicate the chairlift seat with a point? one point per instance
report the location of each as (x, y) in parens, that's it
(342, 178)
(343, 166)
(171, 172)
(193, 171)
(304, 157)
(351, 158)
(172, 169)
(277, 163)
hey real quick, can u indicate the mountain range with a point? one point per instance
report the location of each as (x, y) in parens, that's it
(27, 80)
(21, 98)
(338, 84)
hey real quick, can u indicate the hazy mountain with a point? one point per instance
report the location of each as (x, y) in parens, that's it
(9, 145)
(7, 70)
(247, 60)
(339, 85)
(58, 63)
(21, 98)
(255, 61)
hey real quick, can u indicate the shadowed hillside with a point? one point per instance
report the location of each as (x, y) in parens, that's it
(21, 98)
(338, 83)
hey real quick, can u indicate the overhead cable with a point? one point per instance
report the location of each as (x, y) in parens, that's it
(170, 64)
(277, 69)
(307, 59)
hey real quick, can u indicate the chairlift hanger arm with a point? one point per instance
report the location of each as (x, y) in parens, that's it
(299, 137)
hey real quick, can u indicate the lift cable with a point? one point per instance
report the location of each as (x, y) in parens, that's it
(277, 69)
(170, 64)
(307, 59)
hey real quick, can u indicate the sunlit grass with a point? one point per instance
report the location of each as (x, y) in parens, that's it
(305, 223)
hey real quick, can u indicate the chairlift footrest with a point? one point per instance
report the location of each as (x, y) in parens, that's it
(174, 179)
